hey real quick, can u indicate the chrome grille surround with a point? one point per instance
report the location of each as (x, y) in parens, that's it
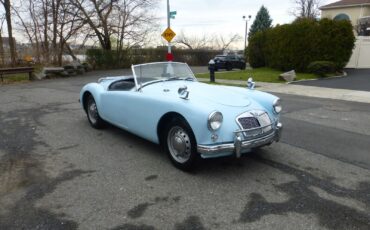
(254, 124)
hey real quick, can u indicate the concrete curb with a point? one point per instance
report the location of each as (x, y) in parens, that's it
(319, 79)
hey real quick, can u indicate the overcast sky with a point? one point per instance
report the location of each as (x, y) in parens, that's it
(223, 16)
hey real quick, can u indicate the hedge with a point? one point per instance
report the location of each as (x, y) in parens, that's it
(255, 51)
(296, 45)
(102, 59)
(322, 68)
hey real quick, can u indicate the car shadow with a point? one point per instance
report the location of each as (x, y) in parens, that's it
(218, 165)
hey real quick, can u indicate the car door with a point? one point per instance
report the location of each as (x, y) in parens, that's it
(115, 107)
(233, 61)
(133, 111)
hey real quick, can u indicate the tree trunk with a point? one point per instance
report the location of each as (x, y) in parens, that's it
(46, 39)
(10, 31)
(1, 50)
(69, 50)
(55, 9)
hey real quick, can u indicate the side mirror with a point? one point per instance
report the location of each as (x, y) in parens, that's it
(250, 83)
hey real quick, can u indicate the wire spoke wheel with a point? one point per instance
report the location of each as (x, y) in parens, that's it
(93, 114)
(92, 111)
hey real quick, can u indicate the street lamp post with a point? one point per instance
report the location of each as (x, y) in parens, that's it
(246, 30)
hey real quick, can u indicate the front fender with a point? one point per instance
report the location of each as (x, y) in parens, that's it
(95, 89)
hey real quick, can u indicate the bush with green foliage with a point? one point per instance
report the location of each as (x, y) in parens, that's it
(322, 68)
(296, 45)
(255, 50)
(107, 59)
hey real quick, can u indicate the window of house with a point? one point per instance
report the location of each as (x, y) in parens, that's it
(341, 17)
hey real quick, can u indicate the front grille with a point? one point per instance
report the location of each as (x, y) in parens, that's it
(255, 124)
(249, 122)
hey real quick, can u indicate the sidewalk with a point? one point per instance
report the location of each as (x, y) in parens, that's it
(308, 91)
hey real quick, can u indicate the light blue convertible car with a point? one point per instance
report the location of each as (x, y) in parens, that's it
(164, 103)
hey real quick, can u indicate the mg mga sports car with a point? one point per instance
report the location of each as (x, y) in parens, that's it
(164, 103)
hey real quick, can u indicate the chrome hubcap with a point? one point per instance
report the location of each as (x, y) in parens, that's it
(179, 145)
(92, 111)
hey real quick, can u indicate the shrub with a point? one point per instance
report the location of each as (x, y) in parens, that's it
(255, 52)
(104, 59)
(296, 45)
(322, 68)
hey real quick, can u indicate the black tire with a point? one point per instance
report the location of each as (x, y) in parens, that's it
(229, 66)
(93, 114)
(243, 67)
(179, 137)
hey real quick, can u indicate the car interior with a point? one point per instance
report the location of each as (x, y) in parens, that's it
(122, 85)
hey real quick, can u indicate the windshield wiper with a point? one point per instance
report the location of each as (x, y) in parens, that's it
(173, 78)
(189, 79)
(180, 78)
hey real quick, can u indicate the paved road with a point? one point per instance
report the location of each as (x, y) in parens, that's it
(56, 172)
(357, 79)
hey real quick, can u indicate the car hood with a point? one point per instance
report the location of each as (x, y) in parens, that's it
(205, 93)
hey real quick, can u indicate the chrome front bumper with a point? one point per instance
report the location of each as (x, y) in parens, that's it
(240, 146)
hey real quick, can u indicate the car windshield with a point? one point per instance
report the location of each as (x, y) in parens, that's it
(161, 71)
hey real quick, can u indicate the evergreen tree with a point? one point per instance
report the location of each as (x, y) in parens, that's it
(262, 22)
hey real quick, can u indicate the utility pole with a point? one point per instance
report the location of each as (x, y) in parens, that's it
(169, 24)
(246, 30)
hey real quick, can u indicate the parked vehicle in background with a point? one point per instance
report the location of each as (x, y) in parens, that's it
(229, 62)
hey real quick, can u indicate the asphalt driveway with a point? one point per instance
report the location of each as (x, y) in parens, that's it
(357, 79)
(56, 172)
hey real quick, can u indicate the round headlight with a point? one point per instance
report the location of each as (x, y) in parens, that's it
(277, 106)
(215, 121)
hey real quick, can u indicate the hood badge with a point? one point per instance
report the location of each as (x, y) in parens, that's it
(250, 83)
(183, 92)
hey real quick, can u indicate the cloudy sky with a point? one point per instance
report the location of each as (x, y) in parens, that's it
(199, 17)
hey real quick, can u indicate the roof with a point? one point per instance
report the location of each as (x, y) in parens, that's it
(346, 3)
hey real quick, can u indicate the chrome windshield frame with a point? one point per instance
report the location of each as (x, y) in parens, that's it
(139, 85)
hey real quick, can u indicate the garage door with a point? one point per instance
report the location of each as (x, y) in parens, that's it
(361, 54)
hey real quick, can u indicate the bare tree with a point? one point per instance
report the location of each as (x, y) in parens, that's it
(122, 19)
(194, 42)
(133, 23)
(7, 7)
(211, 42)
(306, 8)
(49, 25)
(225, 42)
(68, 25)
(97, 15)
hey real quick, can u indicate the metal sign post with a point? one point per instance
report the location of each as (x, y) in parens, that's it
(168, 34)
(168, 23)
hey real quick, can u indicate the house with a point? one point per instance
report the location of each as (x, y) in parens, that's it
(358, 13)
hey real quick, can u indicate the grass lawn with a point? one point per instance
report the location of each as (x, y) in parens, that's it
(259, 75)
(12, 78)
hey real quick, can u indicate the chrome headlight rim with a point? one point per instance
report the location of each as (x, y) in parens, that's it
(277, 106)
(215, 120)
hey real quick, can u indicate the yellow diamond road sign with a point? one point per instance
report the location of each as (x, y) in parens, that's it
(168, 34)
